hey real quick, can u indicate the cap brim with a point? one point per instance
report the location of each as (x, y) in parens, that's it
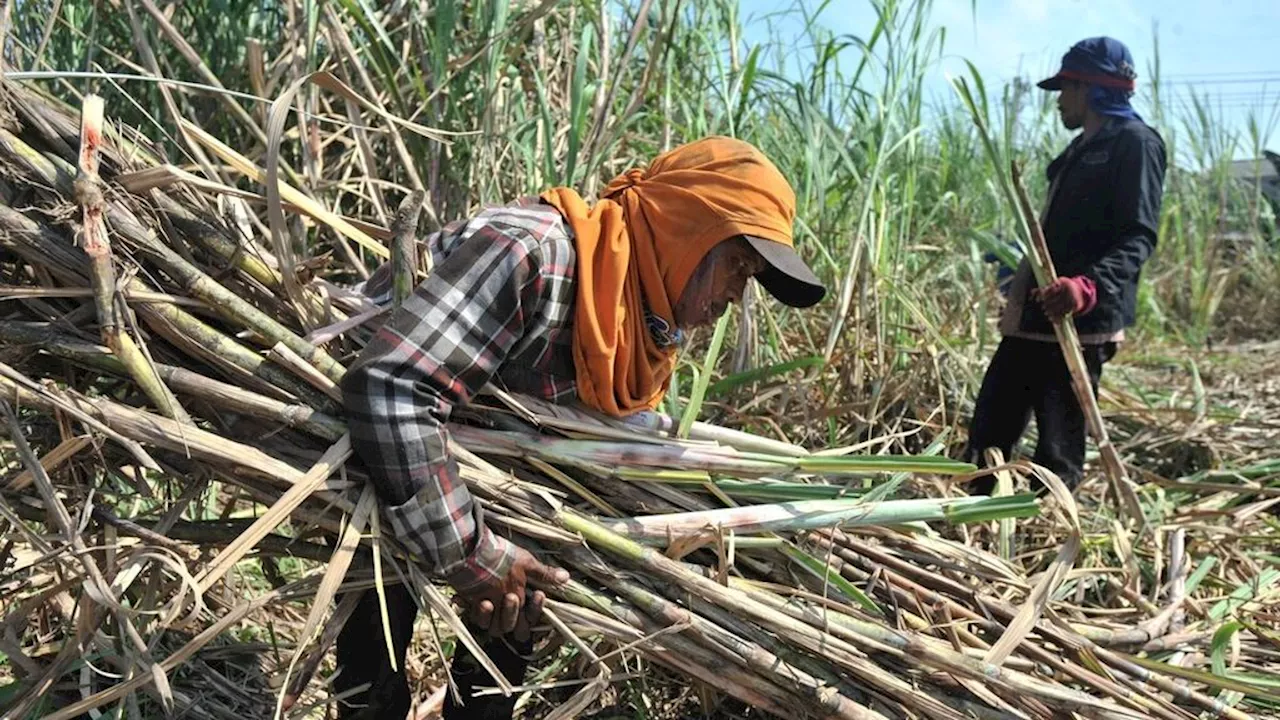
(1051, 83)
(787, 278)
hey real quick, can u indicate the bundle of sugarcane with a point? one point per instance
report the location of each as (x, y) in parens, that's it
(169, 388)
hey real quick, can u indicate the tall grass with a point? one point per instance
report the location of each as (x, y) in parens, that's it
(897, 202)
(1217, 231)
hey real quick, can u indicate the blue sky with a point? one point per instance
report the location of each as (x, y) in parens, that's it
(1227, 49)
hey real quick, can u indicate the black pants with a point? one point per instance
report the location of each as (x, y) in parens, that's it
(362, 658)
(1028, 377)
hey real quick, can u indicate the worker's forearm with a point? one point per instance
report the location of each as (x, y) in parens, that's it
(397, 430)
(433, 354)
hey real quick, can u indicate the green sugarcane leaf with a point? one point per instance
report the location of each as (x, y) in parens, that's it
(703, 378)
(1200, 573)
(1206, 678)
(746, 83)
(1010, 256)
(781, 492)
(997, 508)
(674, 477)
(1221, 645)
(1244, 594)
(884, 463)
(758, 374)
(824, 572)
(383, 50)
(579, 98)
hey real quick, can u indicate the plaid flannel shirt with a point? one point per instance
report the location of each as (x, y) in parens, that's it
(498, 304)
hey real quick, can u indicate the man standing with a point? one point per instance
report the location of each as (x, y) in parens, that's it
(1100, 221)
(559, 299)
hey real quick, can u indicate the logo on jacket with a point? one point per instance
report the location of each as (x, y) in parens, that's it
(1097, 157)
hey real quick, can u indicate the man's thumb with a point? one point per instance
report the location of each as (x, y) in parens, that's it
(549, 575)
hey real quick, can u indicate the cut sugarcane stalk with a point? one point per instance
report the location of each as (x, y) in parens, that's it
(93, 236)
(814, 514)
(1122, 487)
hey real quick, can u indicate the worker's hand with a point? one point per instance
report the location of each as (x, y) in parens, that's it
(509, 604)
(1075, 295)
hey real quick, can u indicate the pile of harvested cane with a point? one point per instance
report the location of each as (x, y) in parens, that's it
(179, 476)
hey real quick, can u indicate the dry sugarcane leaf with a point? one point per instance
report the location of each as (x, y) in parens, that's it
(308, 484)
(442, 607)
(287, 193)
(1038, 599)
(582, 699)
(51, 460)
(19, 381)
(119, 691)
(334, 574)
(159, 177)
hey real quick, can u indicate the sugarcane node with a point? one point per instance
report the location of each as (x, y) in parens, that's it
(87, 191)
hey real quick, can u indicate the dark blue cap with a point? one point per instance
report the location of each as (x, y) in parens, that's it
(1099, 61)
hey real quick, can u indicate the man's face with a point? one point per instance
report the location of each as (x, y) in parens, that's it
(717, 281)
(1073, 103)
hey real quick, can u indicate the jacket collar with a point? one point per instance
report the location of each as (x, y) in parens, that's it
(1111, 126)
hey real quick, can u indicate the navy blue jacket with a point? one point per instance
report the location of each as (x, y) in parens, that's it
(1103, 219)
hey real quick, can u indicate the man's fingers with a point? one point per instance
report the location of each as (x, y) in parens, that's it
(484, 614)
(529, 615)
(510, 612)
(533, 609)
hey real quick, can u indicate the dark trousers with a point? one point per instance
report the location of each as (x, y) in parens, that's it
(362, 658)
(1025, 378)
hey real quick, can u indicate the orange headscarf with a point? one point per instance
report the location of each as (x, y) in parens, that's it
(638, 246)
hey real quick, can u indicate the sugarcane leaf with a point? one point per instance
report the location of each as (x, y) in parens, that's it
(1201, 572)
(579, 92)
(383, 50)
(997, 508)
(702, 378)
(1010, 256)
(745, 84)
(1255, 690)
(884, 463)
(754, 375)
(547, 126)
(825, 573)
(1244, 594)
(779, 492)
(1041, 594)
(884, 490)
(1221, 645)
(311, 10)
(1197, 385)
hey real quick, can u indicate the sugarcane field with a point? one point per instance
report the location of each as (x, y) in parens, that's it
(639, 360)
